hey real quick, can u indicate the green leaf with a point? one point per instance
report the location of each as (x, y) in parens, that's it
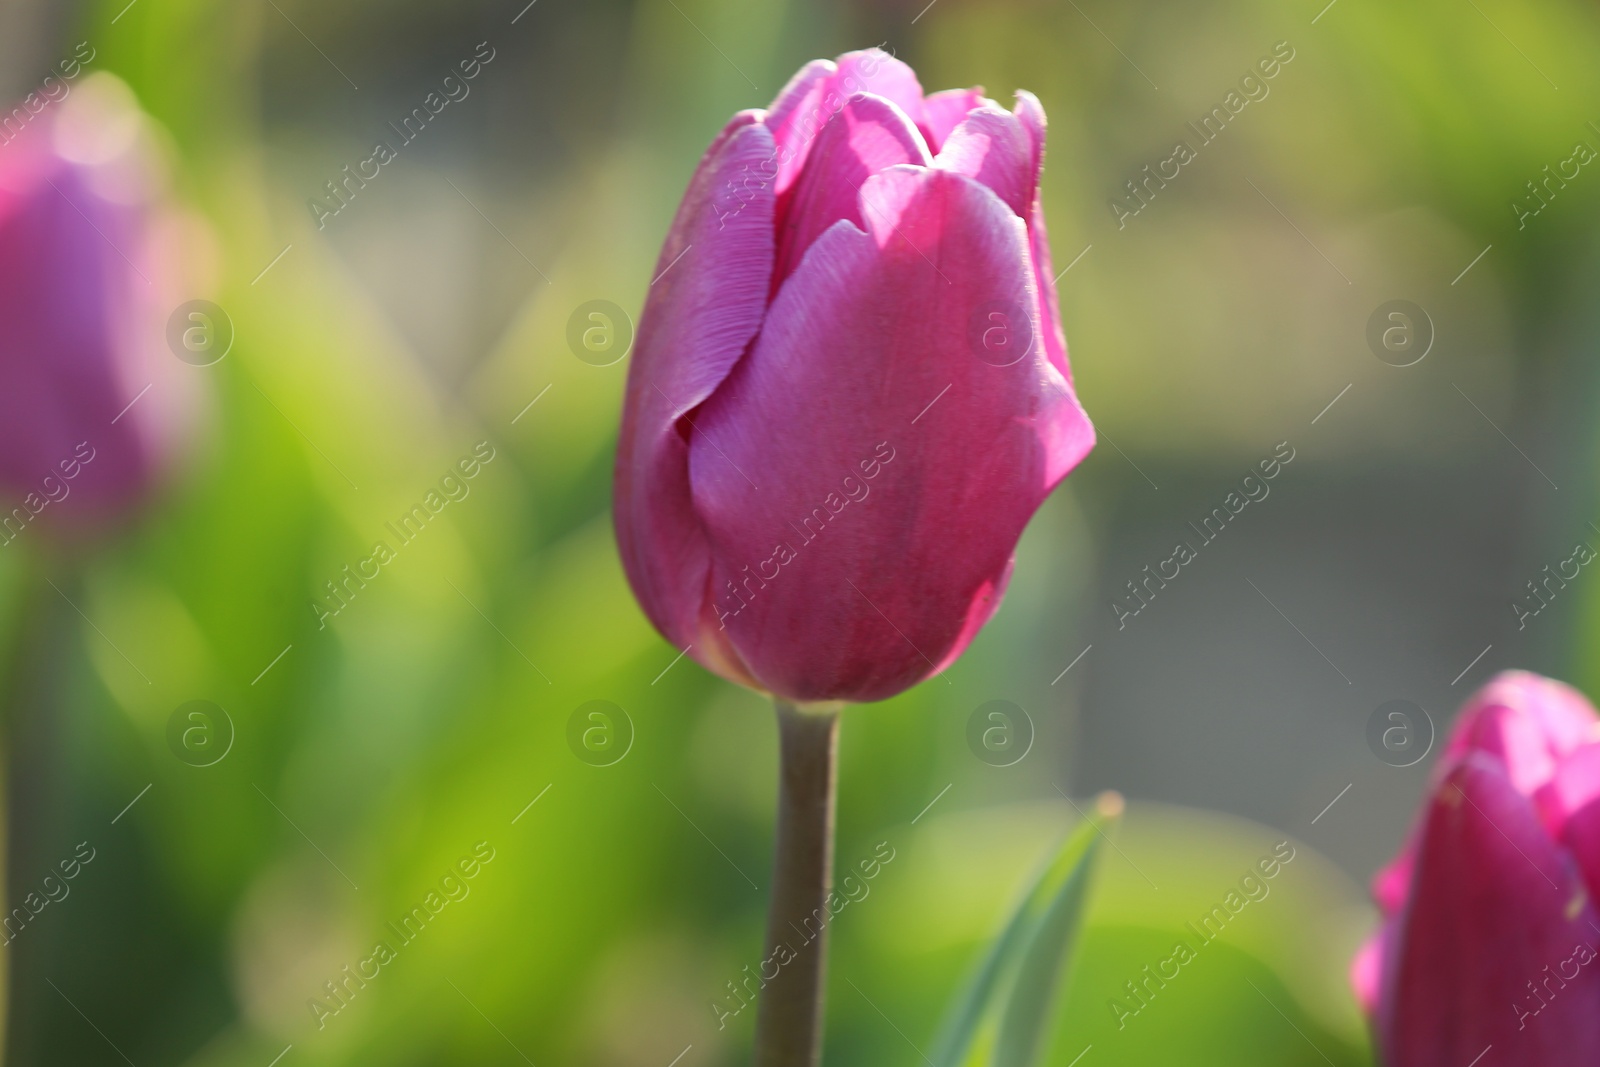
(1002, 1018)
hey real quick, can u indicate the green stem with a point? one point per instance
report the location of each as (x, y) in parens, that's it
(35, 648)
(789, 1017)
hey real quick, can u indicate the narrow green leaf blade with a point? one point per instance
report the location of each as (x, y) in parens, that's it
(1002, 1018)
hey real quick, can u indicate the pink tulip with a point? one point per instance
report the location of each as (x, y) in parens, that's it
(850, 389)
(87, 283)
(1491, 939)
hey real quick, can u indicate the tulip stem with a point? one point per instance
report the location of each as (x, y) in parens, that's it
(30, 733)
(789, 1017)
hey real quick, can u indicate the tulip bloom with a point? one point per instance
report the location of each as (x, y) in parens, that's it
(1491, 934)
(86, 286)
(850, 388)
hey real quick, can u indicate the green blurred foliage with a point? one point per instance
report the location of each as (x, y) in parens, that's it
(433, 710)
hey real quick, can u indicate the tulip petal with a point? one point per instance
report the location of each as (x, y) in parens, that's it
(1030, 113)
(1366, 970)
(1528, 721)
(1068, 437)
(863, 475)
(697, 322)
(875, 71)
(1575, 795)
(992, 146)
(1494, 906)
(1524, 720)
(80, 342)
(944, 111)
(795, 118)
(1574, 786)
(59, 280)
(804, 107)
(869, 134)
(1391, 884)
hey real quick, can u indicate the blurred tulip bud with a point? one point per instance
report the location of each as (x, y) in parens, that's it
(93, 403)
(1491, 936)
(850, 387)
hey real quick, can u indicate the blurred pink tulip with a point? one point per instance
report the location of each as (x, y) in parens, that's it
(1491, 937)
(88, 265)
(850, 389)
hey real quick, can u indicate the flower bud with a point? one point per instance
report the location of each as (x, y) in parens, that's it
(850, 387)
(92, 401)
(1491, 935)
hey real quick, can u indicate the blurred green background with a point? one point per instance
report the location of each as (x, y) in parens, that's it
(430, 713)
